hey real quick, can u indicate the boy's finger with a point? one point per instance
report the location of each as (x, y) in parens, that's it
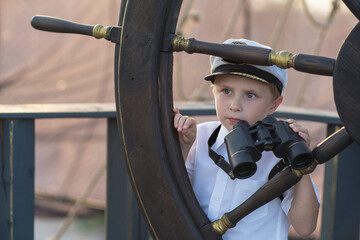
(176, 110)
(188, 123)
(299, 128)
(306, 137)
(290, 121)
(177, 117)
(294, 127)
(181, 123)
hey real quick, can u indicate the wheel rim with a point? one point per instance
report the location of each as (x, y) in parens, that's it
(143, 86)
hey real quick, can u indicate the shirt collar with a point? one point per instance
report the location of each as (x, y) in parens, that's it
(220, 138)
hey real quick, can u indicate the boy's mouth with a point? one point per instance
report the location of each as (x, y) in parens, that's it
(234, 120)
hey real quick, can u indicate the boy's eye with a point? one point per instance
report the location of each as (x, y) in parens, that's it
(251, 95)
(227, 91)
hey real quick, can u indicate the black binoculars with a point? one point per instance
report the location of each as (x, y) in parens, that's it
(245, 144)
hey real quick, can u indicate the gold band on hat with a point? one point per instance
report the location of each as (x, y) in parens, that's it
(249, 76)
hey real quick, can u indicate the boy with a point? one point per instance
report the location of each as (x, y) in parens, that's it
(244, 92)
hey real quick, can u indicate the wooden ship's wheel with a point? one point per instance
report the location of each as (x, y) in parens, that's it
(145, 43)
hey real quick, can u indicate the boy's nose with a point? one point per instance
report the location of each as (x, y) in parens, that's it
(235, 105)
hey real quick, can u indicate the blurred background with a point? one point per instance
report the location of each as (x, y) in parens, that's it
(43, 67)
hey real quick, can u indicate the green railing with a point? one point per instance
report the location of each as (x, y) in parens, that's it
(341, 197)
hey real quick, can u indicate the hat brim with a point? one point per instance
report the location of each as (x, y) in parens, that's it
(211, 77)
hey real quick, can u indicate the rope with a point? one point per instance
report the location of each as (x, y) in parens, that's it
(200, 96)
(69, 219)
(324, 28)
(247, 17)
(274, 39)
(178, 57)
(312, 20)
(235, 14)
(185, 17)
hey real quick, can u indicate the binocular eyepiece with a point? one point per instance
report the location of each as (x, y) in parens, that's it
(245, 144)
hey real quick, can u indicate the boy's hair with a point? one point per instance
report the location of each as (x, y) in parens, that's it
(272, 75)
(274, 91)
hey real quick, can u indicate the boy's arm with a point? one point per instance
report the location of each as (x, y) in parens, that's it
(304, 209)
(186, 127)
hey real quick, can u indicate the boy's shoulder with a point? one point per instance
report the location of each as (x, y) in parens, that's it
(207, 128)
(211, 124)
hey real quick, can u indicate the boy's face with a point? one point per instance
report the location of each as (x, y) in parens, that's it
(240, 98)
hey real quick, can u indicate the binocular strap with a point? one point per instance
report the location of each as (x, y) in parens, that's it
(218, 159)
(280, 166)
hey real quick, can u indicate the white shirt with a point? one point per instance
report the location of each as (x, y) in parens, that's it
(218, 194)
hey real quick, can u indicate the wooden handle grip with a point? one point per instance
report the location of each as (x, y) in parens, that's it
(269, 191)
(256, 55)
(236, 53)
(52, 24)
(332, 145)
(314, 64)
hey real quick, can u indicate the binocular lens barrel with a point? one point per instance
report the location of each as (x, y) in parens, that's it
(241, 150)
(292, 147)
(300, 155)
(244, 165)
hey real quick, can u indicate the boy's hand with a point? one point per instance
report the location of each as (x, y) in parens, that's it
(186, 127)
(296, 127)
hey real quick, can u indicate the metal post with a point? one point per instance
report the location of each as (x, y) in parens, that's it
(123, 218)
(17, 179)
(341, 208)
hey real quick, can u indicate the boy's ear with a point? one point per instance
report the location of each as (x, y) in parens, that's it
(276, 103)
